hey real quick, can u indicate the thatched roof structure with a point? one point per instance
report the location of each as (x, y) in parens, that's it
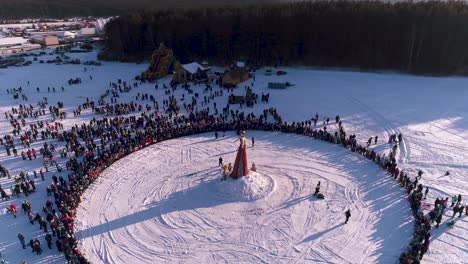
(235, 76)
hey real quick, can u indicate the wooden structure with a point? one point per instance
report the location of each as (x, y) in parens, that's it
(190, 72)
(162, 62)
(236, 99)
(46, 41)
(235, 76)
(248, 98)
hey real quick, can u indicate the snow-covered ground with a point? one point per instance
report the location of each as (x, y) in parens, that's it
(166, 211)
(164, 205)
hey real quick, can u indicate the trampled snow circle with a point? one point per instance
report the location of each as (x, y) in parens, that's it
(167, 203)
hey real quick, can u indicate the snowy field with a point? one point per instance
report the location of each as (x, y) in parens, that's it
(166, 203)
(148, 207)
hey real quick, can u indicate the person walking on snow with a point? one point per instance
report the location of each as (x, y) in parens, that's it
(22, 241)
(13, 209)
(48, 239)
(460, 210)
(317, 188)
(348, 215)
(420, 173)
(456, 208)
(253, 141)
(37, 247)
(454, 200)
(425, 192)
(438, 220)
(31, 244)
(220, 163)
(459, 199)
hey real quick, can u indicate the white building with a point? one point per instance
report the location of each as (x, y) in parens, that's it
(11, 42)
(15, 45)
(87, 31)
(46, 40)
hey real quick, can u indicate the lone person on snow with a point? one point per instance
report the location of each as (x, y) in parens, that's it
(348, 215)
(317, 188)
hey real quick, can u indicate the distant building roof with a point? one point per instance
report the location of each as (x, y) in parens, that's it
(12, 41)
(68, 34)
(46, 40)
(88, 31)
(193, 67)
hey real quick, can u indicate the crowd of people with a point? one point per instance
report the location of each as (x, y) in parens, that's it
(117, 137)
(92, 147)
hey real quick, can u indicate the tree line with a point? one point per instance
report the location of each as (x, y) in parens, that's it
(19, 9)
(421, 37)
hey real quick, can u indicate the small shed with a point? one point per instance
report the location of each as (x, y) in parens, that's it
(46, 40)
(51, 41)
(190, 72)
(248, 98)
(235, 76)
(236, 99)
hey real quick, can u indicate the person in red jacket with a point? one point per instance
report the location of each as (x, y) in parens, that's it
(13, 209)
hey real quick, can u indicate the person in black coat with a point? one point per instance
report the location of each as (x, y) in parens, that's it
(348, 215)
(460, 210)
(317, 188)
(58, 243)
(48, 239)
(438, 220)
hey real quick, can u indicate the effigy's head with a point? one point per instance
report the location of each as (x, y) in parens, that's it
(243, 133)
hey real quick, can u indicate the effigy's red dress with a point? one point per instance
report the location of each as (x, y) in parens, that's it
(241, 166)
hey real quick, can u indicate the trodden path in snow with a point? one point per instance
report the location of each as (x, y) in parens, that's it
(166, 203)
